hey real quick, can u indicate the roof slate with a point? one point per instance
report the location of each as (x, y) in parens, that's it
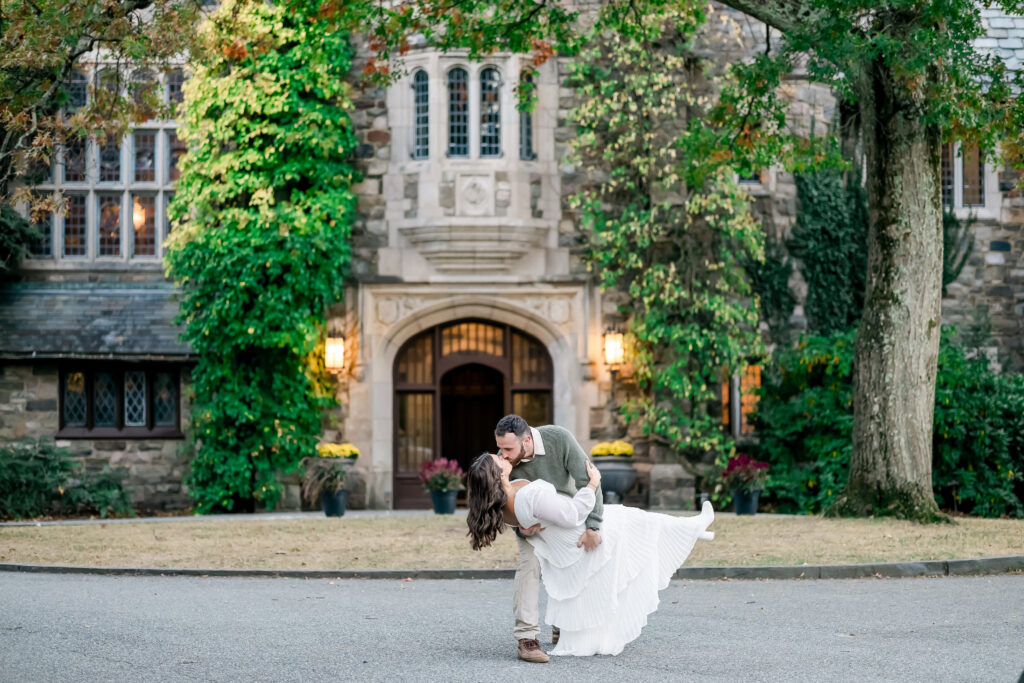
(39, 321)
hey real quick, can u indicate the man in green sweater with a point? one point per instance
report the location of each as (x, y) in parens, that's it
(550, 453)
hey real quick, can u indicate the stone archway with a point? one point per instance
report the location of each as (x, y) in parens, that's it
(451, 384)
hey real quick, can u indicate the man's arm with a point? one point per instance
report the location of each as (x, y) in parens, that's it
(576, 465)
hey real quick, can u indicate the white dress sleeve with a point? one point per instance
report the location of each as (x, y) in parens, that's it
(550, 507)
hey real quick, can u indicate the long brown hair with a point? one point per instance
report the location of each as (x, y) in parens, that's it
(486, 499)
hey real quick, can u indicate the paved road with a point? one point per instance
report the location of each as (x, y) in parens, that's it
(96, 628)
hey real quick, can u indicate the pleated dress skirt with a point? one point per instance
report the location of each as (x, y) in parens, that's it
(601, 599)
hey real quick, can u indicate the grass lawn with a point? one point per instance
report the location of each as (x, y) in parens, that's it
(440, 542)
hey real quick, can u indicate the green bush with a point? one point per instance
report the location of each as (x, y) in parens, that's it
(805, 423)
(37, 478)
(977, 456)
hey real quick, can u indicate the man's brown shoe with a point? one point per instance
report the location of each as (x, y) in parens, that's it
(529, 651)
(554, 635)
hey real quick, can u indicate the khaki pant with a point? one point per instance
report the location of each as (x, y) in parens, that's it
(526, 599)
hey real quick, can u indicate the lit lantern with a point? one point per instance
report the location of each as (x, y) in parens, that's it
(613, 351)
(334, 356)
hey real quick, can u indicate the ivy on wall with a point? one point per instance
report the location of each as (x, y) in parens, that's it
(670, 227)
(830, 242)
(260, 247)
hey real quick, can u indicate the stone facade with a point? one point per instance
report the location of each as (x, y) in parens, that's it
(28, 409)
(444, 237)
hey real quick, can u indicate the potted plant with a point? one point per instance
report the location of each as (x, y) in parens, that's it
(324, 476)
(442, 478)
(614, 459)
(745, 477)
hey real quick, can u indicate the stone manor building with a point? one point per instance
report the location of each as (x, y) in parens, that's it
(469, 301)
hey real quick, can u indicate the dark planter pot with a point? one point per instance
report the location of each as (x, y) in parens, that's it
(334, 503)
(444, 501)
(617, 476)
(745, 502)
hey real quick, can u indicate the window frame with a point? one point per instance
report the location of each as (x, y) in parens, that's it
(420, 133)
(91, 188)
(992, 207)
(120, 431)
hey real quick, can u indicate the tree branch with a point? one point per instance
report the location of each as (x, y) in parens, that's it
(784, 15)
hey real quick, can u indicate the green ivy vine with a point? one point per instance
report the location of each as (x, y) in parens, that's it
(262, 218)
(669, 225)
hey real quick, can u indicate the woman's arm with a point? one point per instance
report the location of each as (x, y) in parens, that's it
(550, 507)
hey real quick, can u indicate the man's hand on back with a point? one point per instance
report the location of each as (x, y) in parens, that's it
(590, 539)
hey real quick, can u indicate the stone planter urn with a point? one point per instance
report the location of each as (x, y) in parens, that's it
(617, 476)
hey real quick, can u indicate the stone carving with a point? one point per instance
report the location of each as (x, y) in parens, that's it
(476, 195)
(387, 311)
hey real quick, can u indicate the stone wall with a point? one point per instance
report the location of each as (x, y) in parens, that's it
(986, 302)
(28, 409)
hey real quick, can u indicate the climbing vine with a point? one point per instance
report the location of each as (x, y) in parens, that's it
(669, 226)
(262, 217)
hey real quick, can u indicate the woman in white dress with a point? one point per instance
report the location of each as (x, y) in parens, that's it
(598, 599)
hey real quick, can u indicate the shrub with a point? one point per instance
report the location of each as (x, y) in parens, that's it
(805, 423)
(976, 444)
(804, 420)
(37, 478)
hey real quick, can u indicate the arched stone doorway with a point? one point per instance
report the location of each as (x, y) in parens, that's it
(452, 383)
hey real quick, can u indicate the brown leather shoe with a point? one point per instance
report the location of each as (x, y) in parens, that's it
(529, 651)
(554, 635)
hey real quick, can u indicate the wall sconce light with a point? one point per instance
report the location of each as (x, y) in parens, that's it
(334, 354)
(613, 354)
(613, 349)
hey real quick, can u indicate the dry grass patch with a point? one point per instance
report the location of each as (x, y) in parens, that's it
(433, 541)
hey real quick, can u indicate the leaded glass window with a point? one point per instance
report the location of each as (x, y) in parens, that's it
(74, 160)
(119, 400)
(135, 398)
(74, 226)
(143, 225)
(74, 399)
(974, 175)
(144, 146)
(109, 225)
(41, 244)
(143, 88)
(175, 150)
(175, 85)
(946, 174)
(110, 161)
(165, 399)
(490, 113)
(104, 400)
(78, 91)
(421, 97)
(458, 113)
(526, 152)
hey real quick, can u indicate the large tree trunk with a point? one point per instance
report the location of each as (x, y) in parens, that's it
(898, 339)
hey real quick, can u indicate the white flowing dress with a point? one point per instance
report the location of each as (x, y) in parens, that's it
(600, 599)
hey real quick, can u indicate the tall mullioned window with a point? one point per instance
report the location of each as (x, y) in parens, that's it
(458, 113)
(115, 189)
(421, 105)
(526, 152)
(490, 113)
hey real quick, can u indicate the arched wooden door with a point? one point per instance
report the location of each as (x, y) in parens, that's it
(452, 385)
